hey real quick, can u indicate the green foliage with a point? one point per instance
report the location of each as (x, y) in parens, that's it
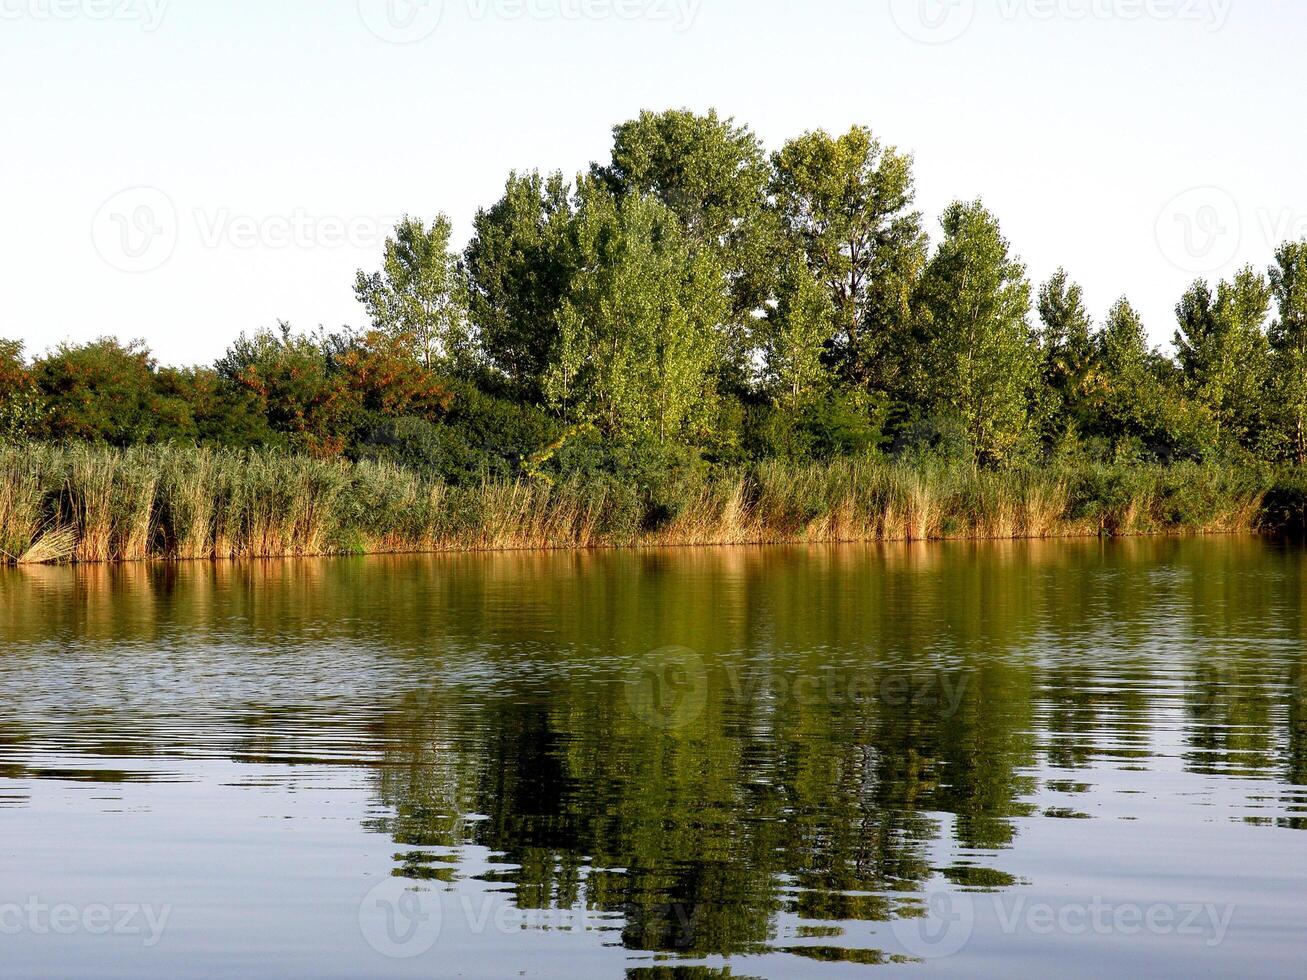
(978, 356)
(105, 392)
(1222, 348)
(22, 409)
(418, 294)
(520, 264)
(846, 203)
(835, 425)
(289, 378)
(534, 466)
(498, 431)
(479, 437)
(1288, 342)
(713, 175)
(418, 446)
(638, 329)
(794, 339)
(1066, 349)
(696, 307)
(224, 413)
(931, 438)
(1130, 405)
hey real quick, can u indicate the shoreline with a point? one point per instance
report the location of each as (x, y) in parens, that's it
(644, 545)
(8, 561)
(90, 505)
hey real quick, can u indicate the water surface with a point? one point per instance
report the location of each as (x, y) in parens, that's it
(1072, 758)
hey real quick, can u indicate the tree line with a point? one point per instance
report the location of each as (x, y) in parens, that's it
(697, 299)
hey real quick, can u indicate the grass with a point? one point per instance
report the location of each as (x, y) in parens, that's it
(94, 504)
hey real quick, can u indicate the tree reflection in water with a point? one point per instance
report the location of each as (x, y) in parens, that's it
(866, 721)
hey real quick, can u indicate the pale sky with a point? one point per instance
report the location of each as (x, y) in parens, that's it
(183, 170)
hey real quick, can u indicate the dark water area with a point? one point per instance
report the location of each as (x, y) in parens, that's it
(1062, 758)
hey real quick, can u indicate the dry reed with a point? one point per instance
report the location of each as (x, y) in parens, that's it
(96, 504)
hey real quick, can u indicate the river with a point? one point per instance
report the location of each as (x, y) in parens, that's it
(1031, 759)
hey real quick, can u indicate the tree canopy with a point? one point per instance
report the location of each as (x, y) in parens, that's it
(698, 300)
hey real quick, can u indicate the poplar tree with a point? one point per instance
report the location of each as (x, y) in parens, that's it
(638, 329)
(1066, 338)
(1288, 341)
(1066, 349)
(713, 176)
(846, 202)
(519, 264)
(1124, 402)
(794, 340)
(1222, 348)
(980, 359)
(418, 295)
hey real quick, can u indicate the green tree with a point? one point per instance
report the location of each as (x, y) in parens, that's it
(1136, 398)
(714, 177)
(1222, 348)
(1288, 341)
(638, 329)
(1066, 348)
(22, 409)
(794, 340)
(105, 391)
(847, 203)
(418, 293)
(1123, 351)
(519, 264)
(288, 376)
(979, 357)
(810, 416)
(1125, 397)
(224, 413)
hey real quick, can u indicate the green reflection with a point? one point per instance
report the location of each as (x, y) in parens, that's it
(851, 725)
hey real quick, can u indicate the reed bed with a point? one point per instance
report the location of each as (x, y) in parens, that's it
(94, 504)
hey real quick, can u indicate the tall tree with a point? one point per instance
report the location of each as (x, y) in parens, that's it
(1222, 348)
(847, 202)
(713, 175)
(1123, 398)
(418, 294)
(980, 360)
(1288, 340)
(1137, 400)
(1065, 340)
(519, 264)
(1123, 351)
(1195, 340)
(638, 329)
(795, 336)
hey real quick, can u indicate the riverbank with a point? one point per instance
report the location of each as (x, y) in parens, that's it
(93, 504)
